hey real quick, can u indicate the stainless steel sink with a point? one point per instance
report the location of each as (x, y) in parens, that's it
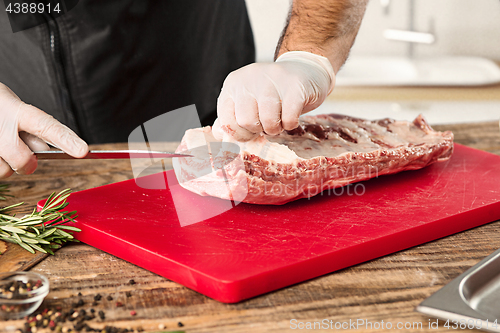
(435, 112)
(401, 71)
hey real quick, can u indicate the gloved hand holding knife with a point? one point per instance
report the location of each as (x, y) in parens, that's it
(24, 129)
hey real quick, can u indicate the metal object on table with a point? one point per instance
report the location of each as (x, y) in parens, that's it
(472, 299)
(107, 154)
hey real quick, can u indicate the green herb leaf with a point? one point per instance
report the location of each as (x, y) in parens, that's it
(3, 191)
(38, 248)
(47, 233)
(67, 227)
(26, 247)
(12, 229)
(40, 231)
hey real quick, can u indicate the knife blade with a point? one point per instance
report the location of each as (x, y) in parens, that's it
(106, 154)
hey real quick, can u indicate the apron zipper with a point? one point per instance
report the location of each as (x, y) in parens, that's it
(60, 71)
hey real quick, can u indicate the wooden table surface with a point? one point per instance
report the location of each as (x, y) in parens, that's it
(386, 289)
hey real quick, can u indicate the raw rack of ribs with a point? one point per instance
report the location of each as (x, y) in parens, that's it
(324, 152)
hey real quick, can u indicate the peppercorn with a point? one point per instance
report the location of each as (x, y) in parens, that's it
(101, 314)
(78, 326)
(50, 319)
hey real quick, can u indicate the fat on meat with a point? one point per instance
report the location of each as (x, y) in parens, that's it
(324, 152)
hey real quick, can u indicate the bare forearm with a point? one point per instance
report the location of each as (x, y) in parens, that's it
(324, 27)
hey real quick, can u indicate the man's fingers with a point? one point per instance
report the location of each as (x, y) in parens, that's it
(247, 113)
(5, 170)
(270, 115)
(33, 142)
(17, 155)
(217, 130)
(293, 107)
(47, 128)
(228, 123)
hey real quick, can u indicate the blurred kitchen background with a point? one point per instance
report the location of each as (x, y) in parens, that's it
(449, 73)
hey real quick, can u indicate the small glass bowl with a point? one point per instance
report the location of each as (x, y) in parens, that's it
(21, 293)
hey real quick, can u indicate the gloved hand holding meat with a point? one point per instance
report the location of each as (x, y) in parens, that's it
(269, 98)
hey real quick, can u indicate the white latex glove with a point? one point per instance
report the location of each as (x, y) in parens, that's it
(24, 129)
(270, 97)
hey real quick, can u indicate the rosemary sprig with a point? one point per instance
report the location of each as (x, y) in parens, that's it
(41, 231)
(3, 189)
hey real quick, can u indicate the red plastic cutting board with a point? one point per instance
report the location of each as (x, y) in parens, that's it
(251, 249)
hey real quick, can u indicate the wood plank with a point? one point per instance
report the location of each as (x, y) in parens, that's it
(15, 258)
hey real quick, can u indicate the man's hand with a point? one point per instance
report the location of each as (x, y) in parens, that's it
(270, 97)
(24, 129)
